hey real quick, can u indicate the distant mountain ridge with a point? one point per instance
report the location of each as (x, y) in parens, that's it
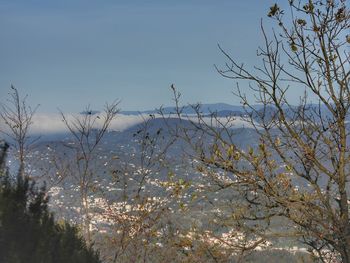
(188, 109)
(226, 110)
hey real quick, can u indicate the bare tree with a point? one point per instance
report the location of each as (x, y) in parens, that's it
(17, 116)
(140, 211)
(87, 130)
(298, 171)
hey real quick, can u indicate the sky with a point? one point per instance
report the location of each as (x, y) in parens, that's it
(67, 54)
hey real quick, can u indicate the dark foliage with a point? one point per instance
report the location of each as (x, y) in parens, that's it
(28, 232)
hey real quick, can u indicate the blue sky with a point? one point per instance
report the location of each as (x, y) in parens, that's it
(71, 53)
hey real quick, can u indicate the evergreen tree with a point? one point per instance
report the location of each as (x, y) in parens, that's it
(28, 231)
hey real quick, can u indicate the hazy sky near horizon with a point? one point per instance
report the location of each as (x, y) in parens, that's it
(71, 53)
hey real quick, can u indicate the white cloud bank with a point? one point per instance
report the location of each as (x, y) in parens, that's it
(52, 123)
(46, 124)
